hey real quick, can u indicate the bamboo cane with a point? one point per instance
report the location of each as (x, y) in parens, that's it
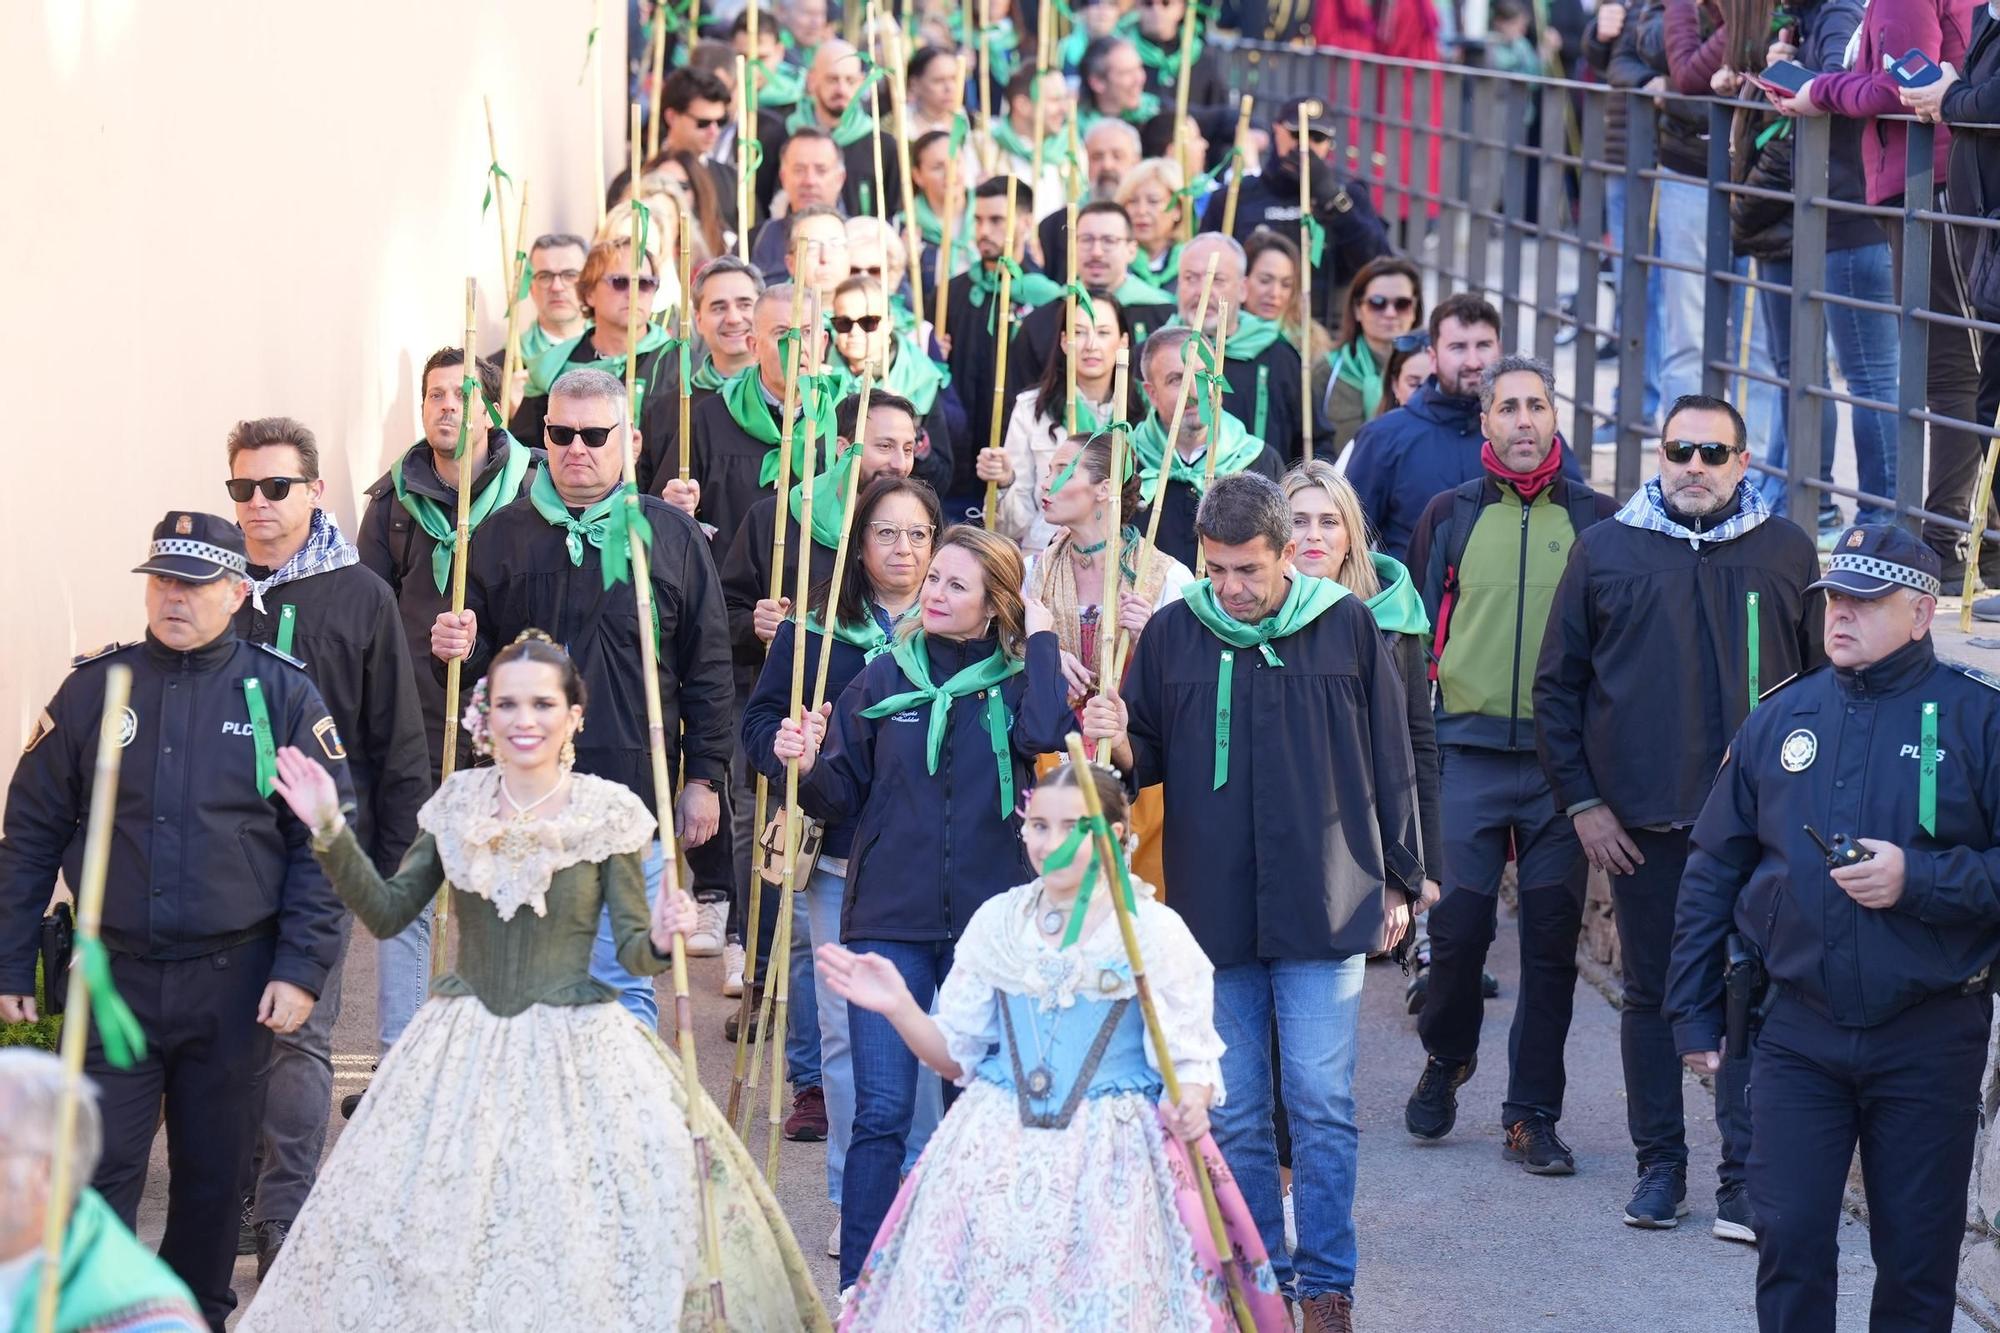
(858, 444)
(1036, 149)
(1071, 191)
(649, 666)
(499, 202)
(899, 92)
(1982, 497)
(781, 945)
(510, 360)
(1003, 315)
(985, 50)
(460, 544)
(686, 322)
(597, 104)
(1742, 385)
(745, 132)
(1215, 416)
(881, 177)
(1189, 20)
(744, 1012)
(1108, 856)
(657, 60)
(1236, 171)
(1107, 628)
(76, 1008)
(1307, 110)
(947, 224)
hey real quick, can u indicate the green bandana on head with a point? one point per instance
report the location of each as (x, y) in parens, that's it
(441, 525)
(982, 677)
(1306, 600)
(1235, 448)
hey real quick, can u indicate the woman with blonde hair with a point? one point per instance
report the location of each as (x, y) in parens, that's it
(928, 751)
(1150, 196)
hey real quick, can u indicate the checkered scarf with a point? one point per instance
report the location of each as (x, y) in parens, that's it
(326, 550)
(1648, 509)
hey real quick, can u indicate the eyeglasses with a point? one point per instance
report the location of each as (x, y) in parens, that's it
(866, 323)
(919, 534)
(593, 436)
(1411, 343)
(1099, 242)
(622, 282)
(1713, 452)
(709, 122)
(275, 488)
(1402, 305)
(549, 277)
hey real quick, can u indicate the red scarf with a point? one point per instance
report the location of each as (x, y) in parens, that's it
(1528, 484)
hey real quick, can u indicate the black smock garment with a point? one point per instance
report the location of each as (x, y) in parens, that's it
(746, 581)
(1290, 857)
(200, 861)
(929, 848)
(345, 629)
(1265, 395)
(1641, 621)
(973, 362)
(728, 462)
(397, 548)
(1177, 536)
(521, 577)
(1839, 750)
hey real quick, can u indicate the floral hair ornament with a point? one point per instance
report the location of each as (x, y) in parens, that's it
(474, 721)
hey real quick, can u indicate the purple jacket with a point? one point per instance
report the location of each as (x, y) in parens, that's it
(1941, 29)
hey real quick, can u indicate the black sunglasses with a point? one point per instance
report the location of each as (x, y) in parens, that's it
(1712, 452)
(866, 323)
(710, 122)
(622, 282)
(593, 436)
(275, 488)
(1410, 343)
(1402, 305)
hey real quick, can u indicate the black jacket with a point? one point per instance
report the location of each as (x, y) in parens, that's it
(1839, 750)
(199, 860)
(1597, 60)
(1637, 609)
(973, 361)
(1640, 55)
(771, 701)
(1266, 395)
(746, 581)
(728, 462)
(929, 848)
(521, 578)
(1290, 856)
(1355, 232)
(1973, 178)
(396, 547)
(346, 631)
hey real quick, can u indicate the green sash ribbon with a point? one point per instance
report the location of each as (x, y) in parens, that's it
(545, 369)
(117, 1027)
(605, 525)
(1235, 448)
(1064, 856)
(1927, 771)
(288, 624)
(1307, 599)
(441, 524)
(1315, 238)
(983, 677)
(1750, 612)
(260, 731)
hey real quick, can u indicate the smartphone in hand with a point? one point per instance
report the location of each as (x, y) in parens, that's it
(1785, 76)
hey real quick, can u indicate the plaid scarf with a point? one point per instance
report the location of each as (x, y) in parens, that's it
(1648, 509)
(326, 550)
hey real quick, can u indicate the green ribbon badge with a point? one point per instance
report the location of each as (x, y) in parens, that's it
(260, 730)
(494, 175)
(1750, 612)
(288, 623)
(589, 44)
(1927, 769)
(1315, 232)
(117, 1027)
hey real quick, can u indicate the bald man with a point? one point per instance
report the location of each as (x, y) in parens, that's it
(832, 81)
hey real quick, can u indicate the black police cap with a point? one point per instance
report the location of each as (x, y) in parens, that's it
(1875, 560)
(195, 548)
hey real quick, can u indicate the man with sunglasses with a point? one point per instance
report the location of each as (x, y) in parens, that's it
(694, 106)
(1694, 582)
(220, 928)
(539, 565)
(864, 338)
(1355, 233)
(313, 599)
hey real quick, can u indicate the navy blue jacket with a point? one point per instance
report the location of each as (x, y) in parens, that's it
(1839, 750)
(929, 848)
(771, 699)
(199, 860)
(1404, 457)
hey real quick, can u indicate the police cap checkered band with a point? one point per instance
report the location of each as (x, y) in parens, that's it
(1872, 567)
(182, 548)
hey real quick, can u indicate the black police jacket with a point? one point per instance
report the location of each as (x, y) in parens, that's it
(1643, 620)
(199, 860)
(346, 631)
(1839, 750)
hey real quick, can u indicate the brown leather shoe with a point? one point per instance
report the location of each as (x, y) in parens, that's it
(1331, 1313)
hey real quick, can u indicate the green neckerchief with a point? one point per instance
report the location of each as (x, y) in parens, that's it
(1162, 61)
(441, 525)
(829, 498)
(901, 318)
(912, 375)
(1251, 337)
(853, 126)
(1004, 43)
(868, 636)
(105, 1272)
(1355, 364)
(707, 376)
(1239, 449)
(1149, 106)
(1307, 599)
(1064, 856)
(931, 227)
(603, 525)
(1010, 140)
(1136, 290)
(784, 85)
(535, 341)
(981, 677)
(1166, 275)
(743, 394)
(546, 368)
(1397, 608)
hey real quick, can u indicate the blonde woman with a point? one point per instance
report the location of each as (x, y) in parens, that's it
(1150, 195)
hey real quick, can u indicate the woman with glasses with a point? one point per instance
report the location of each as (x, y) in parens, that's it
(1040, 420)
(864, 335)
(1150, 194)
(928, 752)
(1385, 301)
(896, 522)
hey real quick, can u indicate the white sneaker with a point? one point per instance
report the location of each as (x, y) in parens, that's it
(710, 920)
(833, 1239)
(1291, 1225)
(732, 969)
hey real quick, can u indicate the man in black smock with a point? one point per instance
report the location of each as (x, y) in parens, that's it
(1876, 1019)
(219, 925)
(1272, 711)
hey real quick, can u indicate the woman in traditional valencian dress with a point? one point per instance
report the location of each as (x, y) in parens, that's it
(1057, 1193)
(522, 1159)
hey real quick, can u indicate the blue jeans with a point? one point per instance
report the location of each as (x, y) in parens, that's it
(1317, 1007)
(635, 993)
(402, 978)
(1865, 344)
(1614, 222)
(802, 1053)
(885, 1095)
(1684, 298)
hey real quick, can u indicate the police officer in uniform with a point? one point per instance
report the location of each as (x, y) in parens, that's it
(219, 925)
(1853, 843)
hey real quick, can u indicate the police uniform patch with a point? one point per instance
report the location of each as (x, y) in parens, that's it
(95, 653)
(184, 524)
(1974, 673)
(1856, 537)
(128, 726)
(1798, 751)
(43, 726)
(328, 736)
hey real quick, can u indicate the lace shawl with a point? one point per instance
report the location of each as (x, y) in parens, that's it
(509, 862)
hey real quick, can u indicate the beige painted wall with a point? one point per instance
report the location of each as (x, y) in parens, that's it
(215, 209)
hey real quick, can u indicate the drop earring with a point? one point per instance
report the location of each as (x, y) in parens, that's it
(566, 760)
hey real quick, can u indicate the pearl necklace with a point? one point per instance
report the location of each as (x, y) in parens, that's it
(521, 811)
